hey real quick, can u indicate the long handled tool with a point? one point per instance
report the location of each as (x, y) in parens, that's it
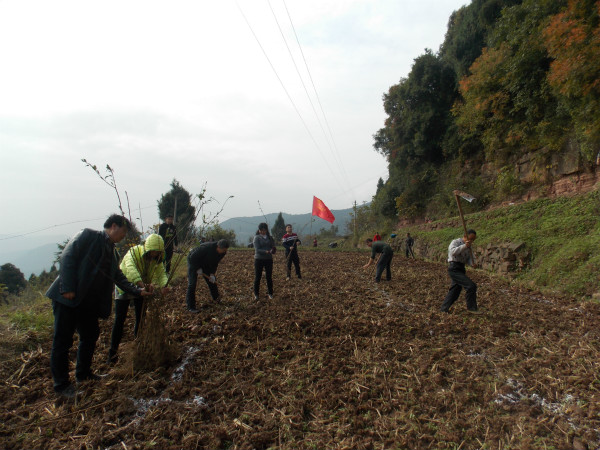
(468, 198)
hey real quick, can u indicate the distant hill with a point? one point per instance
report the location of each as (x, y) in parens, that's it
(33, 260)
(245, 227)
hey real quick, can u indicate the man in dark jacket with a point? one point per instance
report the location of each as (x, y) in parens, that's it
(384, 261)
(409, 242)
(290, 242)
(204, 260)
(168, 232)
(82, 293)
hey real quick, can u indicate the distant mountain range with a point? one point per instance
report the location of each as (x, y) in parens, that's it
(245, 227)
(33, 254)
(30, 254)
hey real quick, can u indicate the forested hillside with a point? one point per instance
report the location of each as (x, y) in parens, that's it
(512, 93)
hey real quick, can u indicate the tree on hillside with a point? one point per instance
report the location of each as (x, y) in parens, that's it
(467, 32)
(419, 114)
(216, 232)
(507, 99)
(12, 278)
(573, 40)
(185, 213)
(278, 228)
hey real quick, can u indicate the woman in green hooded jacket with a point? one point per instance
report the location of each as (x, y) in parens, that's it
(143, 265)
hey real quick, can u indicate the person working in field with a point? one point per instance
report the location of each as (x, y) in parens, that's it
(384, 261)
(82, 294)
(409, 242)
(264, 247)
(168, 232)
(377, 237)
(290, 242)
(142, 265)
(203, 261)
(459, 254)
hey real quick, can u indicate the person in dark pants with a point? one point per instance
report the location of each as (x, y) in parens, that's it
(385, 260)
(203, 261)
(264, 247)
(142, 265)
(81, 294)
(409, 242)
(168, 232)
(460, 254)
(290, 243)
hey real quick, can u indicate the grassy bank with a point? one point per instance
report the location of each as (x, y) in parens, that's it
(562, 234)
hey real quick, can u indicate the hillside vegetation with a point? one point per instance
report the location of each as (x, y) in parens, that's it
(511, 94)
(562, 235)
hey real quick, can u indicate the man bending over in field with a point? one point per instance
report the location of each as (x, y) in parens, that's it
(384, 261)
(204, 260)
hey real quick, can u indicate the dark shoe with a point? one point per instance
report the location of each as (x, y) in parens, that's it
(69, 393)
(193, 310)
(270, 296)
(475, 311)
(447, 311)
(88, 377)
(112, 358)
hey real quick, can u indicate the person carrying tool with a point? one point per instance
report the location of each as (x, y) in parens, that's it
(460, 254)
(168, 232)
(290, 243)
(143, 263)
(384, 261)
(409, 242)
(204, 260)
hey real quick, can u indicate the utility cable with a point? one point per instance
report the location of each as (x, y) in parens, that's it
(327, 139)
(315, 89)
(289, 97)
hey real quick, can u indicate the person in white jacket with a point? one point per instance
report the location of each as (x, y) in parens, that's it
(460, 254)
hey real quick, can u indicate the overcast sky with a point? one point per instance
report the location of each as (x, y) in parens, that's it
(183, 89)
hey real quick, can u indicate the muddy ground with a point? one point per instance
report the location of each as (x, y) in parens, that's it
(334, 361)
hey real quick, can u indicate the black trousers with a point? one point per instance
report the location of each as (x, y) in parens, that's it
(384, 262)
(292, 257)
(190, 296)
(267, 265)
(67, 320)
(168, 257)
(121, 309)
(460, 280)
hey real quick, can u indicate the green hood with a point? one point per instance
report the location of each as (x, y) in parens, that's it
(154, 242)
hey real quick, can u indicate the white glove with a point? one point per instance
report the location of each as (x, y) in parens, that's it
(199, 272)
(212, 279)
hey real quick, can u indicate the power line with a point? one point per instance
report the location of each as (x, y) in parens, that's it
(315, 89)
(335, 156)
(289, 96)
(14, 236)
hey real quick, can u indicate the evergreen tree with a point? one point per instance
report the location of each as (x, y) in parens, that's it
(186, 212)
(12, 278)
(278, 229)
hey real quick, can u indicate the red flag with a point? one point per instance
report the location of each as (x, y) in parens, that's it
(322, 211)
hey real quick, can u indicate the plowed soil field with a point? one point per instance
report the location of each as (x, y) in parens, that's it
(334, 361)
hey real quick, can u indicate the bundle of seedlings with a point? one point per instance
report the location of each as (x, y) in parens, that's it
(144, 265)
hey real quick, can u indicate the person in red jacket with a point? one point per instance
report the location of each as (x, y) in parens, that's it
(377, 237)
